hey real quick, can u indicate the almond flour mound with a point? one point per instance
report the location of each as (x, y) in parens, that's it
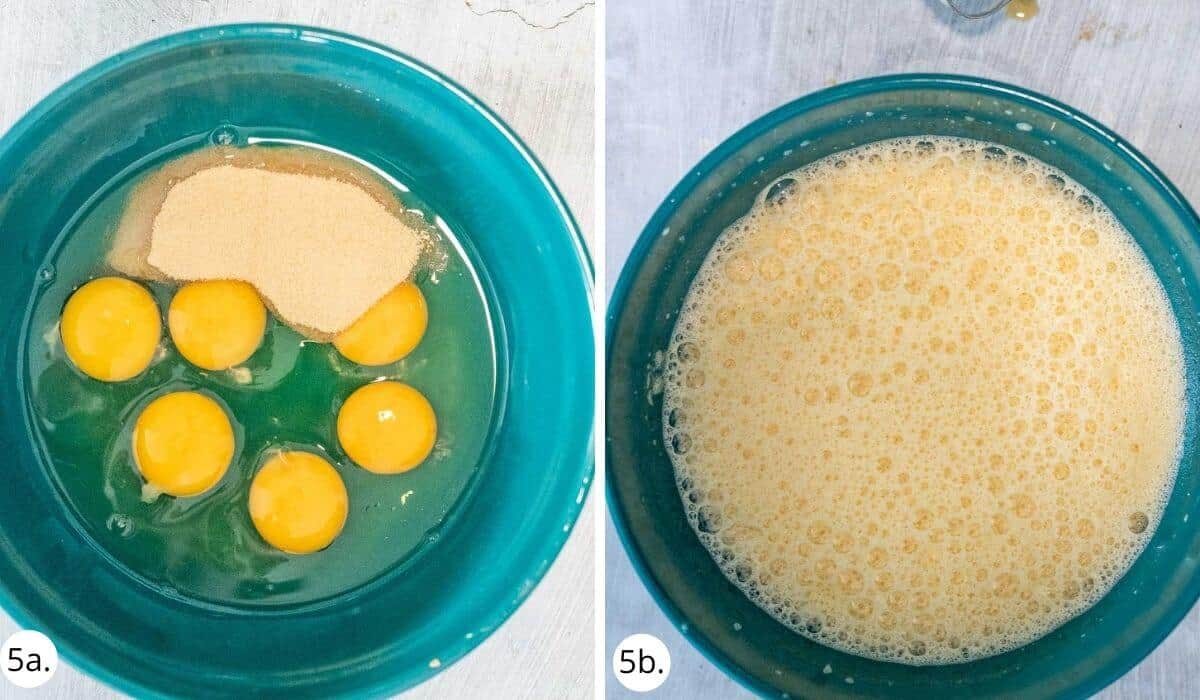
(320, 239)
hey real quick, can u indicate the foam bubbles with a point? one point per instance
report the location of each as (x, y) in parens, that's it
(903, 417)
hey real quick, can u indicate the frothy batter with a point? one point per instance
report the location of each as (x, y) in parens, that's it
(924, 401)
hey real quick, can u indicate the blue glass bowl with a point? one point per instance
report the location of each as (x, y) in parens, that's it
(1075, 660)
(460, 158)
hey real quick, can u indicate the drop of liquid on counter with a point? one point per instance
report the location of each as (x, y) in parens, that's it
(1022, 10)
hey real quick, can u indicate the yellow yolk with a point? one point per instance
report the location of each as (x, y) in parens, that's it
(183, 443)
(389, 330)
(387, 427)
(217, 324)
(110, 329)
(298, 502)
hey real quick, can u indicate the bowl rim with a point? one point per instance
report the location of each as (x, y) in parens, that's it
(719, 155)
(553, 546)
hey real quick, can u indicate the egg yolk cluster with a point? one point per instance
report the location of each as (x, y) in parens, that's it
(183, 442)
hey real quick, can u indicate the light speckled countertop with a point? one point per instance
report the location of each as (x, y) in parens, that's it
(539, 79)
(685, 74)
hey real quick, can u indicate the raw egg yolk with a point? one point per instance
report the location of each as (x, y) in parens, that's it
(217, 324)
(387, 427)
(298, 502)
(183, 443)
(388, 331)
(111, 328)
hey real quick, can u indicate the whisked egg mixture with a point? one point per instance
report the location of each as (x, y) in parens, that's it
(924, 401)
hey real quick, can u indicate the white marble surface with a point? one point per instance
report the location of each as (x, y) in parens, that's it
(682, 75)
(530, 60)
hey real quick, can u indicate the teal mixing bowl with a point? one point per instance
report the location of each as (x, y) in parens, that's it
(514, 227)
(1075, 660)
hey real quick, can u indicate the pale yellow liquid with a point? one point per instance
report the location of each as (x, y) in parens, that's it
(925, 404)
